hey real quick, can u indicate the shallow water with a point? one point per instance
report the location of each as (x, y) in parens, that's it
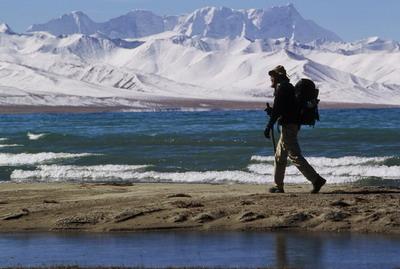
(217, 249)
(213, 146)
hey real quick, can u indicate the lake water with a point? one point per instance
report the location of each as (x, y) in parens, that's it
(227, 249)
(210, 146)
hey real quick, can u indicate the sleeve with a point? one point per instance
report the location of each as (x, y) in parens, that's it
(278, 107)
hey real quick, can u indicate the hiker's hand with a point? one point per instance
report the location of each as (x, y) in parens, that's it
(268, 109)
(267, 132)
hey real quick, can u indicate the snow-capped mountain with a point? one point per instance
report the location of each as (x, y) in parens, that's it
(4, 28)
(214, 22)
(275, 22)
(205, 57)
(137, 23)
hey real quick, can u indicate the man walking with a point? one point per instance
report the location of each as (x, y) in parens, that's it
(285, 112)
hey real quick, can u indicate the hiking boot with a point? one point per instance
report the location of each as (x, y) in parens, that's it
(318, 185)
(276, 189)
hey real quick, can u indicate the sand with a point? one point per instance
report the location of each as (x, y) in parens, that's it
(151, 207)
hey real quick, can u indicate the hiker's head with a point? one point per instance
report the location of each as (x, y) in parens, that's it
(278, 75)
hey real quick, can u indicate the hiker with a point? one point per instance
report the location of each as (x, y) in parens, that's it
(285, 111)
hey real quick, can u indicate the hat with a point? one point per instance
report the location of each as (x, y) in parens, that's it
(278, 71)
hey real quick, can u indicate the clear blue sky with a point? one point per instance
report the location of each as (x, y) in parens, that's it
(350, 19)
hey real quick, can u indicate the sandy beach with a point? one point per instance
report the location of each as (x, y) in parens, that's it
(143, 207)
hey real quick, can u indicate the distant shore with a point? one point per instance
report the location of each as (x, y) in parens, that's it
(168, 104)
(202, 207)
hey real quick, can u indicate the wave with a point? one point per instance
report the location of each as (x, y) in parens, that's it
(61, 173)
(78, 173)
(8, 159)
(2, 139)
(33, 136)
(255, 173)
(335, 162)
(352, 173)
(10, 145)
(336, 170)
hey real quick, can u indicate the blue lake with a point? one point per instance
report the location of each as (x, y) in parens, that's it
(215, 249)
(214, 146)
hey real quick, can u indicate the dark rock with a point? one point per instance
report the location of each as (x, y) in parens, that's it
(187, 204)
(131, 214)
(180, 218)
(247, 202)
(250, 216)
(179, 195)
(336, 216)
(340, 203)
(15, 216)
(298, 217)
(204, 217)
(50, 202)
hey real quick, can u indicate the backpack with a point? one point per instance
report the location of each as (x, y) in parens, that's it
(307, 100)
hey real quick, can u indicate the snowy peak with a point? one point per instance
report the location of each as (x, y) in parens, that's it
(75, 22)
(378, 44)
(134, 24)
(212, 53)
(276, 22)
(4, 28)
(85, 47)
(214, 22)
(137, 23)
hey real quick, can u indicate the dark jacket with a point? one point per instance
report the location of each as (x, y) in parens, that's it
(285, 109)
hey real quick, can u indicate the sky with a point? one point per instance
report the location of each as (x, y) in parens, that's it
(350, 19)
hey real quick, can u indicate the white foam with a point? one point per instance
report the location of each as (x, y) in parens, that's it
(8, 159)
(332, 162)
(2, 139)
(33, 136)
(336, 170)
(61, 173)
(9, 145)
(258, 173)
(336, 174)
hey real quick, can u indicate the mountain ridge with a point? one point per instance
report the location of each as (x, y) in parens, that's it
(215, 22)
(100, 68)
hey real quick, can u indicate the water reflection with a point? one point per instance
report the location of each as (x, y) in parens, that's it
(199, 249)
(297, 251)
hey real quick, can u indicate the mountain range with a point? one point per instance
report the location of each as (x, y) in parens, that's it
(210, 54)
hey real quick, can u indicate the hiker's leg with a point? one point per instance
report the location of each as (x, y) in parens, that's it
(280, 162)
(292, 145)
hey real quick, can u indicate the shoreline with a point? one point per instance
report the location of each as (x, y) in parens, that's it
(172, 105)
(111, 208)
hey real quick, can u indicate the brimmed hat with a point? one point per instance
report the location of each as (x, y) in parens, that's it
(278, 71)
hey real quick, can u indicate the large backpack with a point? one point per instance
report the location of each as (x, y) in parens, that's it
(307, 101)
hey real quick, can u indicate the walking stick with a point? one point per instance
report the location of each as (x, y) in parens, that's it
(268, 110)
(273, 138)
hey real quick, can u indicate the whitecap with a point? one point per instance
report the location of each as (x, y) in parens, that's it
(60, 173)
(9, 159)
(10, 145)
(33, 136)
(352, 173)
(255, 173)
(332, 162)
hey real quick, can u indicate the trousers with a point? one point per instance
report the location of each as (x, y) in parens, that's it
(288, 146)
